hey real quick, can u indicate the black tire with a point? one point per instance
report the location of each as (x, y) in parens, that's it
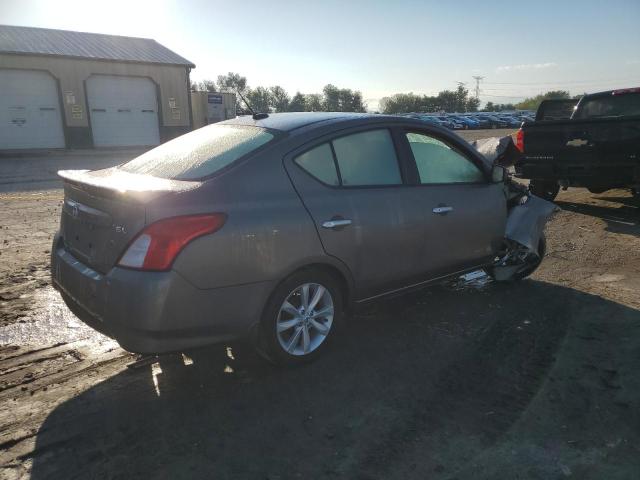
(548, 190)
(269, 344)
(542, 249)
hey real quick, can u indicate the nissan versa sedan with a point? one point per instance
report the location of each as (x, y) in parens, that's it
(272, 226)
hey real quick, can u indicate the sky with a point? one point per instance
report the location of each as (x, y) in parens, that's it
(378, 47)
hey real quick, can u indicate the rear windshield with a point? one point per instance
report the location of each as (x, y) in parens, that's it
(610, 106)
(199, 153)
(556, 110)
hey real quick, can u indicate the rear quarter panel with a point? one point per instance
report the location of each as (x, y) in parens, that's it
(267, 234)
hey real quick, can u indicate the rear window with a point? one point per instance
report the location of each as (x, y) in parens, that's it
(556, 110)
(199, 153)
(610, 106)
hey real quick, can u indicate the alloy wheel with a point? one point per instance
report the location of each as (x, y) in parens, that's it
(305, 319)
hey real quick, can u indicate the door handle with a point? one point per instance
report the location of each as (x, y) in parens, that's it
(442, 210)
(336, 223)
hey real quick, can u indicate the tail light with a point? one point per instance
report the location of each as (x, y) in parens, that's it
(156, 247)
(520, 140)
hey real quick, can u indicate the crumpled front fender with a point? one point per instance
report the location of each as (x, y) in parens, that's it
(526, 221)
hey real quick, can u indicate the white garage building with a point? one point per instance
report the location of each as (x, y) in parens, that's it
(62, 89)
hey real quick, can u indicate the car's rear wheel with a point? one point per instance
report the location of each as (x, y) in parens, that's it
(301, 318)
(544, 189)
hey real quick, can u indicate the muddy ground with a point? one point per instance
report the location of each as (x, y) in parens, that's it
(530, 380)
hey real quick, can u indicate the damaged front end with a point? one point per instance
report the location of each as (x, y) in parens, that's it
(524, 242)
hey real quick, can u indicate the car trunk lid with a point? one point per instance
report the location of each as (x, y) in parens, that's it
(104, 210)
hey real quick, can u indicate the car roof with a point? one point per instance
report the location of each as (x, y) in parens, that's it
(287, 122)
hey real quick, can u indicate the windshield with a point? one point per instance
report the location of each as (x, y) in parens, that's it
(610, 106)
(199, 153)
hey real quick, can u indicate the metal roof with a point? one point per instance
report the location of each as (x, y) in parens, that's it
(95, 46)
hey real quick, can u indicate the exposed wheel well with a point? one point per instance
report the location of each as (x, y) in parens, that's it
(345, 289)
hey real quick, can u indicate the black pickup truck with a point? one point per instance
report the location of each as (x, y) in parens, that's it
(592, 143)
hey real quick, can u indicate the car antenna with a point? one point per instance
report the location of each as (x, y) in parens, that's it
(256, 116)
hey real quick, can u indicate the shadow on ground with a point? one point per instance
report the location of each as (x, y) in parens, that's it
(623, 216)
(415, 387)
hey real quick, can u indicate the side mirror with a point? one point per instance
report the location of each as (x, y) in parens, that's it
(498, 174)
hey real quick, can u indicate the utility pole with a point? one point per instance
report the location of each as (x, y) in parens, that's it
(478, 78)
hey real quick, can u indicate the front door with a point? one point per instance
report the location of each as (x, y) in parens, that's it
(465, 213)
(353, 189)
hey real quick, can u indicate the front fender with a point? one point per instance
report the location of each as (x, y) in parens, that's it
(526, 221)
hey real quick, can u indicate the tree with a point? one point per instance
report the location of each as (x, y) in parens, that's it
(401, 103)
(313, 102)
(279, 98)
(450, 101)
(473, 104)
(534, 102)
(206, 86)
(260, 99)
(331, 98)
(232, 82)
(297, 103)
(341, 100)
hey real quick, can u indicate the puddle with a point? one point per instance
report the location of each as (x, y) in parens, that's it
(49, 323)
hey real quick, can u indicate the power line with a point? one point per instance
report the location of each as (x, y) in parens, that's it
(576, 82)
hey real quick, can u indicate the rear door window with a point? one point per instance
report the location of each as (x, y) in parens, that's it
(319, 163)
(200, 153)
(367, 158)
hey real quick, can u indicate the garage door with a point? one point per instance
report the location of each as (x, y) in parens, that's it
(123, 110)
(29, 110)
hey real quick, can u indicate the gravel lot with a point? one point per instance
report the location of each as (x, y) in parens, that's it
(530, 380)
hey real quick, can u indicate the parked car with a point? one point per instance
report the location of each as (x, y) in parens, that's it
(482, 122)
(273, 226)
(451, 122)
(467, 122)
(495, 121)
(597, 146)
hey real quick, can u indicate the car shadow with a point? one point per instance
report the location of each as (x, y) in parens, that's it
(431, 364)
(623, 218)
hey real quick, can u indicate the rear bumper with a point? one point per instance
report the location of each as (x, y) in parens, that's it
(155, 312)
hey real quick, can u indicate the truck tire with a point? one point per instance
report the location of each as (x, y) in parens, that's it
(548, 190)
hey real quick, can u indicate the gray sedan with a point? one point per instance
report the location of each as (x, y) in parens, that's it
(272, 228)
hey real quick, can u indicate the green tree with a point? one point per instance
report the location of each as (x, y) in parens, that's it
(533, 103)
(206, 86)
(297, 103)
(232, 82)
(331, 98)
(401, 103)
(260, 99)
(473, 104)
(279, 99)
(342, 100)
(313, 102)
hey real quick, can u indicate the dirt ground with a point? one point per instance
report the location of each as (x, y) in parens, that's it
(536, 379)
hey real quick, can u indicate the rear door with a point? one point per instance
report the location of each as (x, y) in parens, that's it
(464, 213)
(365, 214)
